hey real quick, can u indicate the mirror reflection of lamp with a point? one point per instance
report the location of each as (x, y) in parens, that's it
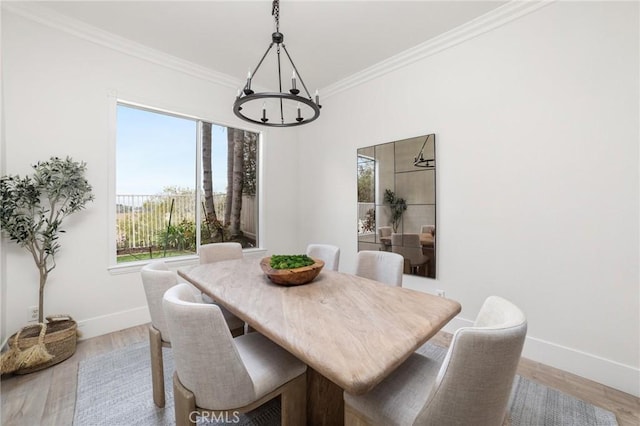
(420, 161)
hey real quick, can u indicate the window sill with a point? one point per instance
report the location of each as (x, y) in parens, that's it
(173, 262)
(255, 252)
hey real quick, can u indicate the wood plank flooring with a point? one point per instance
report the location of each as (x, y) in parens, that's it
(48, 397)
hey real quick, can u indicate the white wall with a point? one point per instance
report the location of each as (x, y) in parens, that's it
(56, 102)
(536, 128)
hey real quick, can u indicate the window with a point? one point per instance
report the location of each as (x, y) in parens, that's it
(366, 196)
(169, 198)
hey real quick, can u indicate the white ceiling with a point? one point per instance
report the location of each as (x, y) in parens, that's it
(328, 40)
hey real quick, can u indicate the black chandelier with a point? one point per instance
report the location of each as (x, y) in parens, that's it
(247, 95)
(420, 161)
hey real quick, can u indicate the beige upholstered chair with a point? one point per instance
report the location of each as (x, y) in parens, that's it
(328, 253)
(382, 266)
(217, 252)
(156, 279)
(384, 232)
(470, 387)
(217, 373)
(409, 247)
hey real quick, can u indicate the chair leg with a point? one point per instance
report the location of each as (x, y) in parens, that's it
(184, 404)
(353, 417)
(237, 331)
(157, 366)
(293, 402)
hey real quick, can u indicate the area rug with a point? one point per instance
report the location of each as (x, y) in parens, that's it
(115, 389)
(533, 404)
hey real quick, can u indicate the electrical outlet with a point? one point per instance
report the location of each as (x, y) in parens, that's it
(32, 313)
(440, 293)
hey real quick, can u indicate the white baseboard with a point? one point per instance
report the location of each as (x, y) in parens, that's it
(116, 321)
(104, 324)
(610, 373)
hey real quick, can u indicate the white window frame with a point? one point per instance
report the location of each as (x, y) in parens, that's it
(131, 267)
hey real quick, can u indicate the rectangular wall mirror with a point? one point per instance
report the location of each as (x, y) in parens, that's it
(397, 201)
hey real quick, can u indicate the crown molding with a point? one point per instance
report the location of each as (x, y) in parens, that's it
(52, 19)
(485, 23)
(496, 18)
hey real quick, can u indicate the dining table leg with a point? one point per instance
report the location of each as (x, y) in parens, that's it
(325, 403)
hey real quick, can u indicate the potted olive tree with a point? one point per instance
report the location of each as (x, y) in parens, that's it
(397, 205)
(31, 215)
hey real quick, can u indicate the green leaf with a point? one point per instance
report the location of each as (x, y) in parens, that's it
(32, 207)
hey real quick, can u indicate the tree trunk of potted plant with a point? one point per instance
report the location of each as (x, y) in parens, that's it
(32, 212)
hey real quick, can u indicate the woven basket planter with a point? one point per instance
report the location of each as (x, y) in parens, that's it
(59, 339)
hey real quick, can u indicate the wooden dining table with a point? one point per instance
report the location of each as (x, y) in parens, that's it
(350, 331)
(426, 240)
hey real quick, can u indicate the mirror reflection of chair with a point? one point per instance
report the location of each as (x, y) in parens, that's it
(384, 237)
(156, 279)
(382, 266)
(218, 252)
(216, 373)
(428, 232)
(409, 246)
(471, 386)
(329, 254)
(428, 229)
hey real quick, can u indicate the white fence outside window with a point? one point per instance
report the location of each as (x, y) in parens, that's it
(140, 219)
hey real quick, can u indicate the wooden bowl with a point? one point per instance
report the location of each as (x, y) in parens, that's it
(295, 276)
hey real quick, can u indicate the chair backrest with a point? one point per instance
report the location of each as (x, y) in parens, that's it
(428, 229)
(475, 380)
(382, 266)
(408, 246)
(327, 253)
(216, 252)
(206, 358)
(156, 279)
(384, 231)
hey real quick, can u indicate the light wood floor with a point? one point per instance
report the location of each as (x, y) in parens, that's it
(48, 397)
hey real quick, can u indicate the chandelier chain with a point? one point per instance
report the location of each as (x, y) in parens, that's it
(275, 11)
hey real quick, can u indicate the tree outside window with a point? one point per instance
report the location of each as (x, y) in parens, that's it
(158, 193)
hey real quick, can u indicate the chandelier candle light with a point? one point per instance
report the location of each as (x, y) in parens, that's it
(291, 98)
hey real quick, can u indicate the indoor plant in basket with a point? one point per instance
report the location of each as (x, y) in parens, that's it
(397, 205)
(32, 211)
